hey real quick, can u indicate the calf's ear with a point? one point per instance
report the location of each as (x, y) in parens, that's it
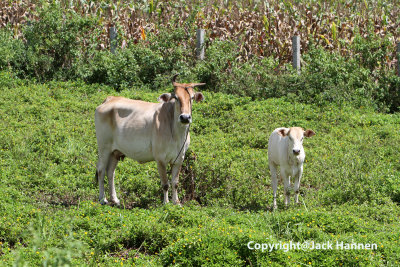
(198, 97)
(283, 132)
(309, 133)
(164, 97)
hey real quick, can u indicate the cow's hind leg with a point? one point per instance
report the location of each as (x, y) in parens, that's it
(297, 184)
(101, 173)
(112, 164)
(274, 182)
(162, 170)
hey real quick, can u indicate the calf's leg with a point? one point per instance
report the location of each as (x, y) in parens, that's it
(274, 181)
(297, 185)
(286, 186)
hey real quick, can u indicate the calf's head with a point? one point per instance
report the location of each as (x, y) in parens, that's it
(183, 95)
(295, 138)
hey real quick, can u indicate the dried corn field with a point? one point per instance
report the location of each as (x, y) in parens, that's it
(260, 28)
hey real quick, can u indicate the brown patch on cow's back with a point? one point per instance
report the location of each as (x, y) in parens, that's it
(111, 99)
(107, 111)
(106, 114)
(108, 98)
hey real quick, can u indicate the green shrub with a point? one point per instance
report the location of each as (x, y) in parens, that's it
(54, 43)
(174, 56)
(388, 93)
(119, 70)
(214, 71)
(150, 63)
(11, 51)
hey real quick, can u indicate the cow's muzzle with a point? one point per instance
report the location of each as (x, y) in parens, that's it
(296, 151)
(185, 118)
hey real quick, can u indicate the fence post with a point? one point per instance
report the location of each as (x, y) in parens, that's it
(296, 52)
(113, 39)
(398, 59)
(200, 44)
(29, 25)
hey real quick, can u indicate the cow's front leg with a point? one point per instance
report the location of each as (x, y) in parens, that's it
(162, 170)
(297, 184)
(175, 180)
(286, 187)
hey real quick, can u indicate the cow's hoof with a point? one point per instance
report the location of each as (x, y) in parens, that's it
(178, 203)
(115, 203)
(103, 201)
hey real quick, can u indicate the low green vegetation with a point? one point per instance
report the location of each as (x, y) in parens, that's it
(49, 214)
(55, 68)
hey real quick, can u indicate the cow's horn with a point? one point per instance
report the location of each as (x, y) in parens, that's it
(174, 77)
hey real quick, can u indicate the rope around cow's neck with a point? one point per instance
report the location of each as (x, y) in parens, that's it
(183, 145)
(187, 130)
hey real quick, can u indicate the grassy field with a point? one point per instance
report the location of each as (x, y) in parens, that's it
(49, 214)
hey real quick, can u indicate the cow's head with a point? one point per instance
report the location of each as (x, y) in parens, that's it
(183, 95)
(296, 136)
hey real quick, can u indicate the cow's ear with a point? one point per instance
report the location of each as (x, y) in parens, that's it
(309, 133)
(164, 97)
(198, 97)
(283, 132)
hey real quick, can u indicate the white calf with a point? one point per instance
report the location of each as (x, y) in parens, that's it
(285, 149)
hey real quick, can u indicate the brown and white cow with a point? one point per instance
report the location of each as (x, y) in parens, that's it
(145, 132)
